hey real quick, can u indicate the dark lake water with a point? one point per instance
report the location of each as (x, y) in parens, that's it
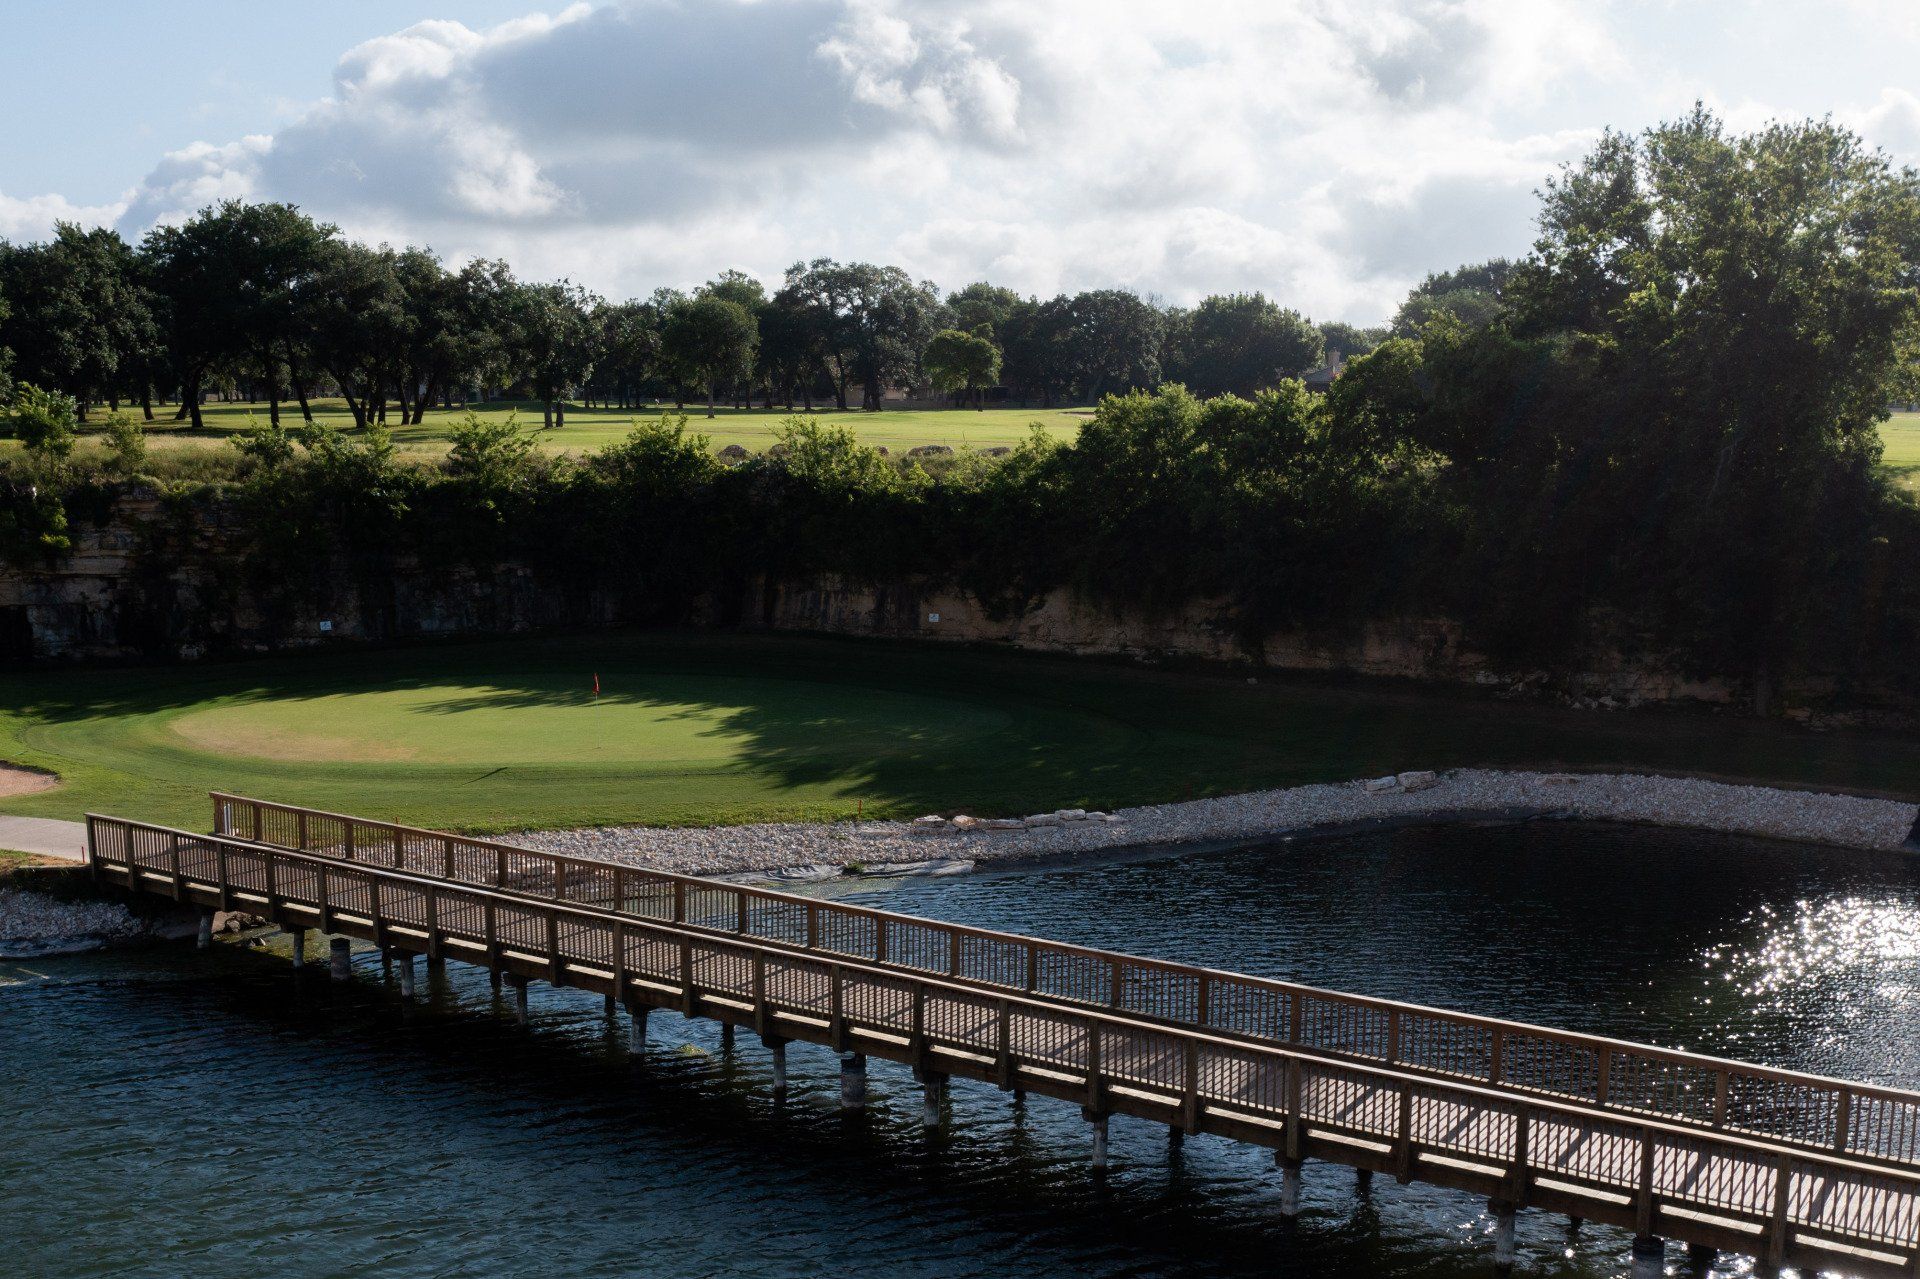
(169, 1113)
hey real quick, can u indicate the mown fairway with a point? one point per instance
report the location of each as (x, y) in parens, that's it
(694, 728)
(589, 429)
(1901, 437)
(895, 429)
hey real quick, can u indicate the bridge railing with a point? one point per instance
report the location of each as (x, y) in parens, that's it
(1519, 1147)
(1815, 1112)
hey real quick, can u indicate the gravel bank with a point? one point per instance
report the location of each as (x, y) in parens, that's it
(803, 849)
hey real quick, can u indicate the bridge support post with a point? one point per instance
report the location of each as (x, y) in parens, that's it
(436, 963)
(519, 985)
(853, 1082)
(726, 1037)
(1099, 1123)
(934, 1092)
(778, 1047)
(340, 958)
(204, 940)
(493, 979)
(386, 964)
(1649, 1257)
(613, 1007)
(405, 959)
(299, 936)
(1700, 1258)
(1176, 1138)
(1289, 1186)
(637, 1027)
(1504, 1220)
(1363, 1181)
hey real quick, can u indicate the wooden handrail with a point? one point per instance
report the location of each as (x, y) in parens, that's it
(1609, 1055)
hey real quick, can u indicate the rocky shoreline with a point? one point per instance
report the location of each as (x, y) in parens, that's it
(40, 923)
(34, 925)
(942, 844)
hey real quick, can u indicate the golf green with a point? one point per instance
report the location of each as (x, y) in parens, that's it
(723, 727)
(641, 718)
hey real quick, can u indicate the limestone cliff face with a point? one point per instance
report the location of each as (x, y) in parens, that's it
(1432, 649)
(147, 581)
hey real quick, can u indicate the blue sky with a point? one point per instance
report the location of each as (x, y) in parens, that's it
(1328, 152)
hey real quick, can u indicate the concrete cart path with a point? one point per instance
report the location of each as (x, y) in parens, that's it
(45, 835)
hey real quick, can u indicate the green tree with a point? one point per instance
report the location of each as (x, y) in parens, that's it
(793, 346)
(1116, 341)
(1040, 344)
(629, 343)
(1241, 343)
(1349, 340)
(963, 362)
(6, 353)
(77, 311)
(983, 303)
(875, 321)
(360, 326)
(557, 345)
(1746, 306)
(709, 341)
(1471, 294)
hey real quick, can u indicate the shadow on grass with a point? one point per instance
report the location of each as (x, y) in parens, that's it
(939, 729)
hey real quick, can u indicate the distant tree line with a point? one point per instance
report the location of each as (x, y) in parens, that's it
(1658, 430)
(262, 302)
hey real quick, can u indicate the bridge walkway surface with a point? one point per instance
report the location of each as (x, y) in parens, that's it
(1791, 1168)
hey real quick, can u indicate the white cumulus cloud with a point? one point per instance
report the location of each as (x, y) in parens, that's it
(1327, 152)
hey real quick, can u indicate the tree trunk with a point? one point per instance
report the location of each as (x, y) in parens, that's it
(146, 402)
(354, 406)
(559, 413)
(298, 383)
(546, 415)
(192, 401)
(712, 391)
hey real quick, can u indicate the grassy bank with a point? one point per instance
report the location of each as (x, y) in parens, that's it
(694, 728)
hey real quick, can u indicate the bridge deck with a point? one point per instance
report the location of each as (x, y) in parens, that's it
(1810, 1112)
(1736, 1191)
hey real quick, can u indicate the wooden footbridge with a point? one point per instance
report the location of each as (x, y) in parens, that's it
(1790, 1168)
